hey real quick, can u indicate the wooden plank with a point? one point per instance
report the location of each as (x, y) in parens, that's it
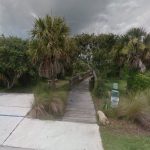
(80, 107)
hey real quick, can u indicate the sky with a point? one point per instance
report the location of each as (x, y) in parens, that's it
(88, 16)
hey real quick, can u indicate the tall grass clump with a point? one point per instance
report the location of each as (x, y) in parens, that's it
(100, 88)
(136, 107)
(50, 102)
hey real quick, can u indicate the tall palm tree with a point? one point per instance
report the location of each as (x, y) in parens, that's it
(49, 46)
(136, 33)
(134, 48)
(146, 54)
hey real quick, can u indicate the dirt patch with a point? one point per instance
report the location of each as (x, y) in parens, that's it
(126, 127)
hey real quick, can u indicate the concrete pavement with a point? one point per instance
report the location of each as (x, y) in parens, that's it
(7, 125)
(55, 135)
(12, 148)
(15, 104)
(20, 133)
(13, 109)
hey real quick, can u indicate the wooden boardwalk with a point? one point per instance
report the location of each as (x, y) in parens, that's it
(80, 106)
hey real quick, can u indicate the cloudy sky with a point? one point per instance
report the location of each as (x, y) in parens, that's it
(92, 16)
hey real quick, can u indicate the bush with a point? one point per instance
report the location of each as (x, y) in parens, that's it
(100, 88)
(131, 106)
(137, 82)
(49, 102)
(80, 66)
(136, 107)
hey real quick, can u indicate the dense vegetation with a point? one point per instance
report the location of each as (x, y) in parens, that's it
(51, 53)
(41, 63)
(123, 59)
(14, 61)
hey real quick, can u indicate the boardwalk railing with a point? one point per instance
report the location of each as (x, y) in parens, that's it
(78, 78)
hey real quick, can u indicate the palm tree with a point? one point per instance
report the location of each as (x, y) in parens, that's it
(136, 33)
(146, 54)
(134, 48)
(49, 46)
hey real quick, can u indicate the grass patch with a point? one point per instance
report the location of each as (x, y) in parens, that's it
(114, 139)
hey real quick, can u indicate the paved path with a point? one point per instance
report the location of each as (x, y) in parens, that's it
(17, 132)
(13, 109)
(15, 104)
(55, 135)
(80, 107)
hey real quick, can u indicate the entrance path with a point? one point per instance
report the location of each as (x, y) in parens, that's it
(77, 131)
(80, 107)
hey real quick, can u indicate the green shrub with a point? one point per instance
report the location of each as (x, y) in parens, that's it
(80, 66)
(138, 82)
(100, 88)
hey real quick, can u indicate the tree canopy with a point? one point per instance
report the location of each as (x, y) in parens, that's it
(13, 59)
(50, 46)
